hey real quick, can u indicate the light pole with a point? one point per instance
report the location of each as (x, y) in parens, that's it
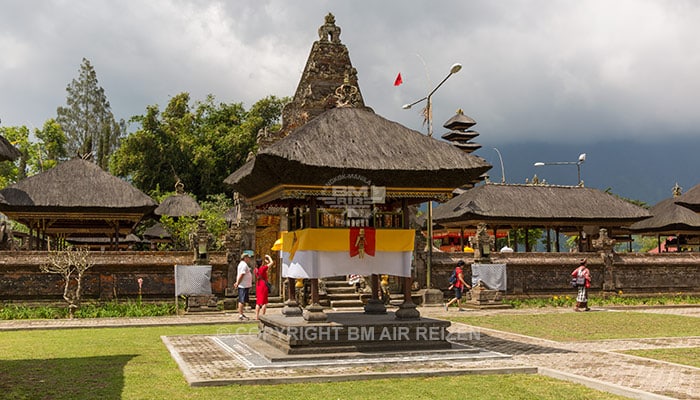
(581, 159)
(503, 170)
(429, 117)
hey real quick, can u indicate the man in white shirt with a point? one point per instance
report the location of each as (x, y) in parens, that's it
(244, 282)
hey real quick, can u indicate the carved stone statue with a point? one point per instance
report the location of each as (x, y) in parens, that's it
(481, 243)
(329, 30)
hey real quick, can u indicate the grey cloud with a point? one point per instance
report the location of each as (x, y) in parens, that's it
(563, 71)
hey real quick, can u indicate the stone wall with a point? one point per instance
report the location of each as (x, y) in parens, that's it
(113, 276)
(549, 273)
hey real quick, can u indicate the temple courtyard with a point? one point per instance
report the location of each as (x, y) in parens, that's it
(234, 356)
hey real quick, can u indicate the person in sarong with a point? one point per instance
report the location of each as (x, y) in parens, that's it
(583, 283)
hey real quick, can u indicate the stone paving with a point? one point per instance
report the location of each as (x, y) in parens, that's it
(598, 364)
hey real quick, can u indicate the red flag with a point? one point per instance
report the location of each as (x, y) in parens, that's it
(398, 80)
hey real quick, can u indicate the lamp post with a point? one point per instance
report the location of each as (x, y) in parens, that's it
(581, 159)
(503, 170)
(429, 117)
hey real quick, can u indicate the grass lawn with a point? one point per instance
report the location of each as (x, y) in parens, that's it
(133, 363)
(687, 356)
(595, 325)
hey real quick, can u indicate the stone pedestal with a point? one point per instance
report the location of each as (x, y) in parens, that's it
(433, 297)
(375, 306)
(407, 311)
(291, 309)
(485, 298)
(201, 303)
(314, 313)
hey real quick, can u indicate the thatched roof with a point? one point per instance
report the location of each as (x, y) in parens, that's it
(458, 136)
(518, 205)
(157, 231)
(690, 199)
(459, 121)
(8, 152)
(128, 239)
(76, 196)
(179, 205)
(351, 141)
(669, 218)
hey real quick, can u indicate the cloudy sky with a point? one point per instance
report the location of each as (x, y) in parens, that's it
(566, 71)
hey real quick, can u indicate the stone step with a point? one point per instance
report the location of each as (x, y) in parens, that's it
(346, 303)
(340, 289)
(344, 296)
(334, 284)
(339, 278)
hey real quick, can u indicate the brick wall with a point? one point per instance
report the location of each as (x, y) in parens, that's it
(549, 273)
(115, 274)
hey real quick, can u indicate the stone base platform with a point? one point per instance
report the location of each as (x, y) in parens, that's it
(240, 359)
(253, 353)
(485, 299)
(349, 332)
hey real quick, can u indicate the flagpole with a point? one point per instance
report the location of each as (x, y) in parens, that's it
(429, 117)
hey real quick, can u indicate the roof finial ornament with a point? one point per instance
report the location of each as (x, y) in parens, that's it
(347, 94)
(179, 187)
(677, 190)
(329, 30)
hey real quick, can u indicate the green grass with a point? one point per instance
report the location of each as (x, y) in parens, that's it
(133, 363)
(619, 299)
(596, 325)
(687, 356)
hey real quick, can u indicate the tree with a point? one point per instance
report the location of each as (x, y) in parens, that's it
(71, 264)
(35, 157)
(199, 143)
(51, 148)
(87, 119)
(11, 172)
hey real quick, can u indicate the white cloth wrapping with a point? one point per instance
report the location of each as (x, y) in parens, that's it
(493, 275)
(321, 264)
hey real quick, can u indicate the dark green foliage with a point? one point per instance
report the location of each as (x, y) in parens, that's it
(200, 143)
(88, 310)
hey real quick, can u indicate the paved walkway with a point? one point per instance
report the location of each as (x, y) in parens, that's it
(599, 364)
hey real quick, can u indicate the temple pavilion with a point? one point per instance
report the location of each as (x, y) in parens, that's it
(75, 199)
(345, 178)
(573, 210)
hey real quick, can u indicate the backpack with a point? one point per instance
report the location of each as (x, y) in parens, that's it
(453, 278)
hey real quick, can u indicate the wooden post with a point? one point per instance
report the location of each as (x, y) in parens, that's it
(407, 310)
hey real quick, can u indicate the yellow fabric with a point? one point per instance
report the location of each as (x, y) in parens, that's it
(339, 240)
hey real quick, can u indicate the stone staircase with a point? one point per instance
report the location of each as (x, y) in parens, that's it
(341, 295)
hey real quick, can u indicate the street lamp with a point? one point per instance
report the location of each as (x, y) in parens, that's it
(429, 116)
(429, 107)
(503, 171)
(581, 159)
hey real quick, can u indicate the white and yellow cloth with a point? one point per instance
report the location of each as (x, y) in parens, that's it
(319, 253)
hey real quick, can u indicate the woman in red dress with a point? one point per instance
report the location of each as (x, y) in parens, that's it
(262, 286)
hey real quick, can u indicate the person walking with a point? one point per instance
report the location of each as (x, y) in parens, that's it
(583, 282)
(262, 286)
(244, 281)
(459, 286)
